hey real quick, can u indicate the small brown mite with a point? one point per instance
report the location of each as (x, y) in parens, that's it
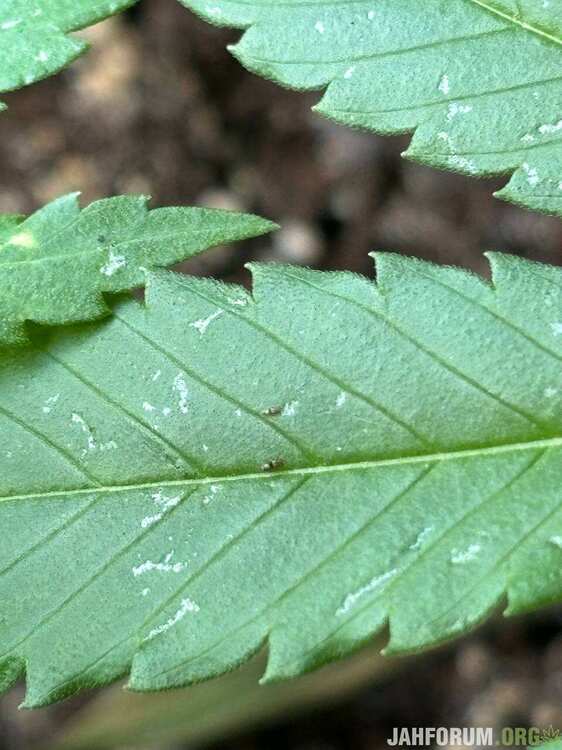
(273, 411)
(273, 465)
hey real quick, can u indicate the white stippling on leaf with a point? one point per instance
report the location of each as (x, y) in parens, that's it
(459, 557)
(187, 605)
(50, 403)
(376, 583)
(203, 324)
(444, 85)
(181, 387)
(114, 263)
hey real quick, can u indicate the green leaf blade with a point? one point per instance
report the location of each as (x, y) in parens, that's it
(33, 36)
(398, 66)
(57, 265)
(215, 471)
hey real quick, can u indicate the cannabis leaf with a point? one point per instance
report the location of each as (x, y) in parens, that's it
(56, 265)
(214, 711)
(185, 482)
(478, 81)
(33, 36)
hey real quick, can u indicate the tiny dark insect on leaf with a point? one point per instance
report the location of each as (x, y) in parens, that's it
(272, 411)
(274, 465)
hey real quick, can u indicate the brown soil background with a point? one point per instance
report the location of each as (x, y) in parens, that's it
(159, 107)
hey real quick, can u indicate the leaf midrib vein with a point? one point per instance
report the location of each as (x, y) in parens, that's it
(345, 545)
(542, 444)
(100, 250)
(517, 22)
(333, 554)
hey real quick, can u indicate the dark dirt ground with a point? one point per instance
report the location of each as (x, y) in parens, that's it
(159, 107)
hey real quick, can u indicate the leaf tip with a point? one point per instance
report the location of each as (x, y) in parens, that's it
(235, 51)
(387, 262)
(254, 268)
(263, 226)
(321, 109)
(501, 265)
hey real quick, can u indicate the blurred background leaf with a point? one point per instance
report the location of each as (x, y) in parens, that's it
(217, 709)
